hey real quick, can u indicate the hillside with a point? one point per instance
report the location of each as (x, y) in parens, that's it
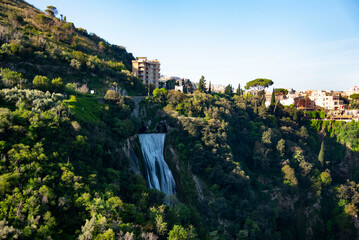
(72, 165)
(37, 43)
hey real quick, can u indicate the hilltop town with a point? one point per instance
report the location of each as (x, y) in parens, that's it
(334, 105)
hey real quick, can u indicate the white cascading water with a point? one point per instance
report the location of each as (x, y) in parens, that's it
(159, 175)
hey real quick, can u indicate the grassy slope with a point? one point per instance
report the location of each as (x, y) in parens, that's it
(86, 108)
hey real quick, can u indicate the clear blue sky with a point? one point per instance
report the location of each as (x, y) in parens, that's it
(300, 44)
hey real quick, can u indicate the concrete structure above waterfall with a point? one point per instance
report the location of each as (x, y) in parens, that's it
(147, 70)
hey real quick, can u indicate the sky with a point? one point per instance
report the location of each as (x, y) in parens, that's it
(300, 44)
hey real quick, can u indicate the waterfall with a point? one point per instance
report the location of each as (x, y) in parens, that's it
(158, 174)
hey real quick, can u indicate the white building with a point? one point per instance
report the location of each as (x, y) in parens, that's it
(327, 100)
(179, 88)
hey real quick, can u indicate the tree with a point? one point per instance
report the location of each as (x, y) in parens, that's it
(112, 95)
(51, 11)
(10, 78)
(321, 154)
(354, 104)
(272, 100)
(57, 84)
(262, 110)
(41, 82)
(202, 84)
(171, 84)
(160, 94)
(177, 233)
(325, 178)
(281, 147)
(280, 91)
(228, 90)
(239, 91)
(355, 96)
(210, 88)
(289, 176)
(259, 84)
(267, 136)
(188, 87)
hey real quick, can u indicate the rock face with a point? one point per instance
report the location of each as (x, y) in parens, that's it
(130, 154)
(139, 112)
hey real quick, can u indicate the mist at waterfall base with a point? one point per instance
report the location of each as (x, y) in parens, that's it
(158, 174)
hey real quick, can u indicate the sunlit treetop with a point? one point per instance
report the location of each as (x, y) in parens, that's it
(258, 84)
(280, 91)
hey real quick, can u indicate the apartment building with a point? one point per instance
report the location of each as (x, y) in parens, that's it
(327, 100)
(147, 70)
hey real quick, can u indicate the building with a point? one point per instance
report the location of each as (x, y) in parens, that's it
(351, 91)
(285, 100)
(147, 70)
(170, 82)
(179, 88)
(217, 88)
(304, 103)
(352, 112)
(327, 100)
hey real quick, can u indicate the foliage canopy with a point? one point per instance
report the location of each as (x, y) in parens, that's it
(258, 84)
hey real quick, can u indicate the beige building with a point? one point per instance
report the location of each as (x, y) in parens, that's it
(147, 70)
(327, 100)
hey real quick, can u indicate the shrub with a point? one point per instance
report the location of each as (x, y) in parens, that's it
(41, 82)
(70, 87)
(10, 78)
(75, 64)
(83, 89)
(112, 95)
(57, 84)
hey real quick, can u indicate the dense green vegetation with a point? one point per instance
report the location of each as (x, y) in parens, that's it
(267, 175)
(243, 170)
(36, 43)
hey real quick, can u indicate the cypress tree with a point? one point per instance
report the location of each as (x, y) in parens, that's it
(228, 90)
(255, 107)
(239, 90)
(202, 84)
(272, 101)
(321, 154)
